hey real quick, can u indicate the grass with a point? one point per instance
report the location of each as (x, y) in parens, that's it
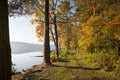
(70, 67)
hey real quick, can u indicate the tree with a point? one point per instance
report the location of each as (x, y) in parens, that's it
(99, 25)
(65, 25)
(5, 51)
(46, 35)
(21, 7)
(53, 15)
(27, 7)
(39, 19)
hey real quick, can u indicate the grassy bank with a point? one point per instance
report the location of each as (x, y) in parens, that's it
(70, 67)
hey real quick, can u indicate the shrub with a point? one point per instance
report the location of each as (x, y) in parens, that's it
(13, 70)
(107, 61)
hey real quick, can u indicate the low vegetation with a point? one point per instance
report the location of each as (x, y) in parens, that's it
(75, 66)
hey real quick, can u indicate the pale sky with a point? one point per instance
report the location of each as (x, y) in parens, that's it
(21, 30)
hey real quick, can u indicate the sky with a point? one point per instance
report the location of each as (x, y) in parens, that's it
(21, 30)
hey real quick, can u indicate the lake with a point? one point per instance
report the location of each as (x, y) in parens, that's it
(24, 54)
(26, 60)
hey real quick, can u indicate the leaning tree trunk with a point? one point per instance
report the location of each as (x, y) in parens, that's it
(46, 35)
(56, 38)
(52, 34)
(5, 51)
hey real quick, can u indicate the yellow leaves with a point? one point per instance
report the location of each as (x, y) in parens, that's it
(60, 27)
(58, 6)
(38, 14)
(52, 12)
(38, 18)
(85, 42)
(32, 21)
(37, 28)
(64, 7)
(112, 12)
(85, 37)
(62, 39)
(95, 21)
(113, 25)
(41, 3)
(88, 30)
(51, 1)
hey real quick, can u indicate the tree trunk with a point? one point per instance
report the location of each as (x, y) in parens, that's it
(5, 51)
(119, 50)
(46, 35)
(56, 37)
(68, 30)
(53, 37)
(94, 9)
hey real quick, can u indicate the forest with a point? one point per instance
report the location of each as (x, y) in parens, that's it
(85, 33)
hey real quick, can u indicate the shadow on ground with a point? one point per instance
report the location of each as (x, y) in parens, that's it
(75, 67)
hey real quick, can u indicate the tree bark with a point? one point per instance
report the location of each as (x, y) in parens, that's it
(56, 37)
(46, 35)
(68, 30)
(5, 51)
(53, 37)
(119, 50)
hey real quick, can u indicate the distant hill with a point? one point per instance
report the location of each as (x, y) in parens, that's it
(22, 47)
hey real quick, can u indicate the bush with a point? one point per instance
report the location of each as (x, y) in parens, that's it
(107, 61)
(52, 56)
(62, 56)
(13, 70)
(117, 65)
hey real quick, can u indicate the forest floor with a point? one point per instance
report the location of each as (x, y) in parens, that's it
(69, 68)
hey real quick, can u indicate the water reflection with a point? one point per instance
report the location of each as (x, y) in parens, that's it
(24, 61)
(23, 54)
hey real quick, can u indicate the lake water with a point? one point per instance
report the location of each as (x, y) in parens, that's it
(26, 60)
(22, 37)
(25, 55)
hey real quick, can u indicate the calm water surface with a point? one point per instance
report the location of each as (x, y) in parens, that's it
(24, 54)
(26, 60)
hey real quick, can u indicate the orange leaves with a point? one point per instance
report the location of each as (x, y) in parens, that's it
(39, 30)
(38, 21)
(58, 6)
(117, 36)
